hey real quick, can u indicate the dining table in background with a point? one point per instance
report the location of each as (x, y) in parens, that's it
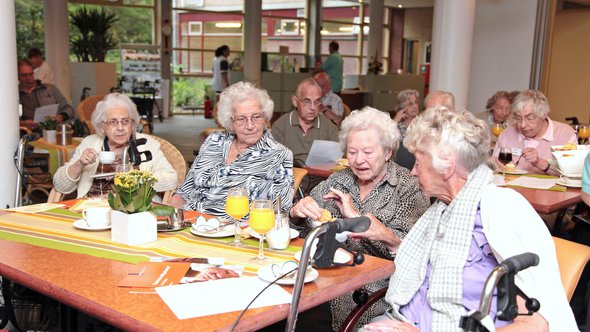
(88, 283)
(57, 155)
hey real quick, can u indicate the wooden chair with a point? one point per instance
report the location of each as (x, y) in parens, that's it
(85, 109)
(298, 174)
(346, 110)
(54, 196)
(177, 161)
(572, 257)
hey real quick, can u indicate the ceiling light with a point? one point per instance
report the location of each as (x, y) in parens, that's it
(345, 29)
(228, 25)
(400, 6)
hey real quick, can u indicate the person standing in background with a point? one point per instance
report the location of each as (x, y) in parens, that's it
(334, 66)
(43, 71)
(221, 69)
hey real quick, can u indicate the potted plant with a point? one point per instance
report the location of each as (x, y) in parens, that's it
(49, 125)
(133, 218)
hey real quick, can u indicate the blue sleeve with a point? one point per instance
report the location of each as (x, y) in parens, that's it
(586, 175)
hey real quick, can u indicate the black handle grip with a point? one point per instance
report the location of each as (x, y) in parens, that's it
(520, 262)
(355, 225)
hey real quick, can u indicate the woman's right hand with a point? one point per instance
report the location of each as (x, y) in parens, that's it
(88, 157)
(400, 115)
(177, 201)
(306, 208)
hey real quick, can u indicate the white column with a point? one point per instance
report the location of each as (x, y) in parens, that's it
(57, 47)
(9, 96)
(252, 44)
(452, 36)
(376, 10)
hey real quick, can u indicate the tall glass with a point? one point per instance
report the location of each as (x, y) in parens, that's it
(237, 206)
(583, 133)
(505, 157)
(262, 220)
(124, 168)
(497, 129)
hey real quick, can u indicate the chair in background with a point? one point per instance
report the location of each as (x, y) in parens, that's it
(54, 196)
(175, 159)
(298, 174)
(571, 257)
(346, 110)
(85, 109)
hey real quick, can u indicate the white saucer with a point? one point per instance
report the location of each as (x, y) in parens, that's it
(340, 256)
(569, 185)
(516, 172)
(81, 224)
(224, 232)
(102, 175)
(293, 232)
(265, 273)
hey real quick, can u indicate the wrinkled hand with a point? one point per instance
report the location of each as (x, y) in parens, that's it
(343, 201)
(88, 157)
(390, 325)
(177, 201)
(306, 208)
(531, 155)
(400, 115)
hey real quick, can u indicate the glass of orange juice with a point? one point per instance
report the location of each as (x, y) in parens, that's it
(583, 133)
(237, 206)
(497, 129)
(262, 220)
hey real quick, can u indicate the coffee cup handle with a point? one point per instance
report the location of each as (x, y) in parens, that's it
(84, 215)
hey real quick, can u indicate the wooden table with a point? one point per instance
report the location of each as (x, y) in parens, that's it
(89, 284)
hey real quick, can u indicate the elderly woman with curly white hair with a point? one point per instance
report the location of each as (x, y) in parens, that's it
(443, 263)
(245, 155)
(114, 118)
(374, 186)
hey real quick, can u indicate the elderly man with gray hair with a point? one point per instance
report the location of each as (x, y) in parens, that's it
(439, 98)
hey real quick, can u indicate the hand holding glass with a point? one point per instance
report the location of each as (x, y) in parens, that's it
(237, 206)
(262, 220)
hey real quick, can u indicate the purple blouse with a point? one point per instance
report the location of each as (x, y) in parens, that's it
(480, 262)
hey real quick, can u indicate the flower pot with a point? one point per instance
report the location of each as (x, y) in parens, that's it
(133, 229)
(49, 135)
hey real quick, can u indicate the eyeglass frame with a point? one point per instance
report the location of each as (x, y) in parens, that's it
(308, 102)
(243, 120)
(114, 123)
(527, 118)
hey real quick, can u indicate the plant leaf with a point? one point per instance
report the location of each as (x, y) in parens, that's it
(162, 210)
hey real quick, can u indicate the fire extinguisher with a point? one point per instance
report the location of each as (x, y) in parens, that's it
(208, 108)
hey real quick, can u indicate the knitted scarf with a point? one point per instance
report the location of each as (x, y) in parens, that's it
(441, 237)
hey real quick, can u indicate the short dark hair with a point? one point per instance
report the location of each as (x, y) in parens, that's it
(221, 49)
(33, 51)
(334, 45)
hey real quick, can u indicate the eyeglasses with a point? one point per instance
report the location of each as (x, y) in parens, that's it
(527, 118)
(308, 102)
(26, 74)
(112, 123)
(242, 120)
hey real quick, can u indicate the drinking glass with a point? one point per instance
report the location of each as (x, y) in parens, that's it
(237, 206)
(497, 129)
(124, 168)
(583, 133)
(505, 157)
(262, 220)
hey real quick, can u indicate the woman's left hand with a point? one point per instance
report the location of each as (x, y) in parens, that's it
(378, 232)
(343, 201)
(390, 325)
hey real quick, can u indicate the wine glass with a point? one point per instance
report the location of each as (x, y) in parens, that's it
(505, 157)
(237, 206)
(497, 129)
(583, 133)
(262, 220)
(124, 168)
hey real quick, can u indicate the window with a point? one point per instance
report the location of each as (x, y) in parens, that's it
(289, 27)
(195, 28)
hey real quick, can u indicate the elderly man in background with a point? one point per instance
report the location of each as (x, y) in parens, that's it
(331, 103)
(439, 98)
(43, 71)
(34, 94)
(534, 133)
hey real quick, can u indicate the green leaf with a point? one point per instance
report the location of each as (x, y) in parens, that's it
(162, 210)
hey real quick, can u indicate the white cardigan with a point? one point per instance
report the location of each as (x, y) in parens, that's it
(159, 165)
(513, 227)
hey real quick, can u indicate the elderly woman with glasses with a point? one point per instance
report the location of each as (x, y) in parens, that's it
(443, 262)
(534, 133)
(374, 186)
(115, 119)
(245, 155)
(407, 108)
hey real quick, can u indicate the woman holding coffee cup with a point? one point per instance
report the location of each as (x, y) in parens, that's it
(115, 118)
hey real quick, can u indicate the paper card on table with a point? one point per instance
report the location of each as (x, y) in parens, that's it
(84, 204)
(204, 269)
(151, 274)
(532, 182)
(219, 296)
(323, 152)
(35, 208)
(45, 111)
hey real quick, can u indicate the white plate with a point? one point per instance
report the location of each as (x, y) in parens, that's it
(102, 175)
(569, 185)
(516, 172)
(572, 176)
(81, 224)
(265, 273)
(224, 232)
(293, 232)
(340, 256)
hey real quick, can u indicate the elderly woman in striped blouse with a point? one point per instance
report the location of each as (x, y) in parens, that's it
(245, 155)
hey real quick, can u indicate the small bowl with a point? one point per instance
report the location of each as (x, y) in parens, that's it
(570, 162)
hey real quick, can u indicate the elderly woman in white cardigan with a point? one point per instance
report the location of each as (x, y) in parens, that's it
(115, 119)
(443, 262)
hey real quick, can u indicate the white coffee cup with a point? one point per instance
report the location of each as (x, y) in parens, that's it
(97, 216)
(106, 157)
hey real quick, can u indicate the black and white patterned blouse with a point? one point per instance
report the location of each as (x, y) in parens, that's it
(396, 201)
(265, 169)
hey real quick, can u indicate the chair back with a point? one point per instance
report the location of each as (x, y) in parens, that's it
(85, 109)
(176, 159)
(54, 196)
(298, 174)
(572, 257)
(346, 110)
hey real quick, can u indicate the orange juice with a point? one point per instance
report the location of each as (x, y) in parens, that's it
(497, 130)
(262, 220)
(584, 132)
(237, 206)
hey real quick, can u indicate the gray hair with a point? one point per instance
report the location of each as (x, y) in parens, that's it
(448, 135)
(375, 120)
(110, 101)
(404, 96)
(445, 99)
(240, 92)
(534, 98)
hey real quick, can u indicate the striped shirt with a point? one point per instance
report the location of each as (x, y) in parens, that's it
(265, 169)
